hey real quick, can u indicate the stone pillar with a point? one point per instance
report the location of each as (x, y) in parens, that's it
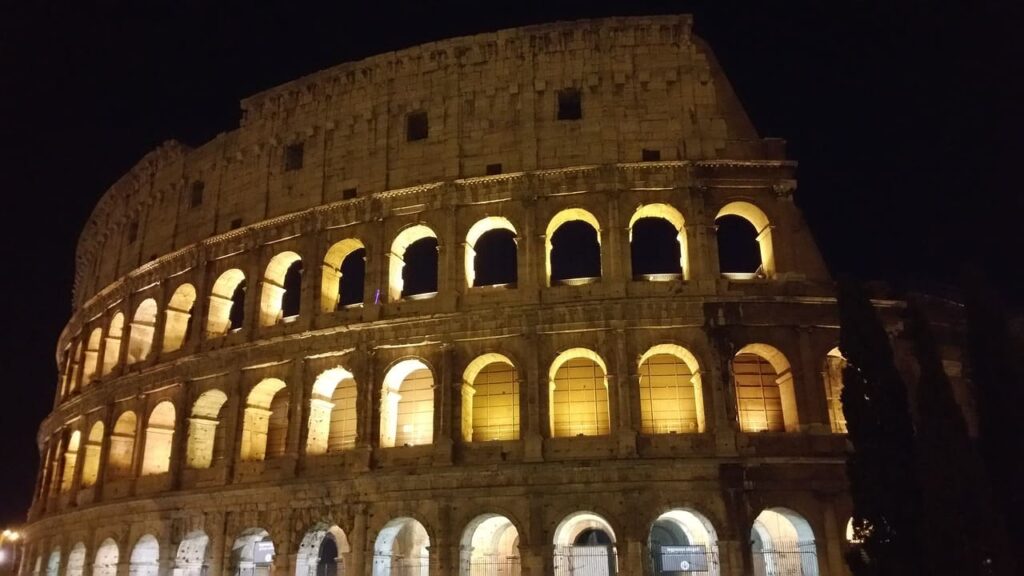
(180, 438)
(532, 426)
(362, 551)
(443, 407)
(831, 558)
(811, 400)
(622, 417)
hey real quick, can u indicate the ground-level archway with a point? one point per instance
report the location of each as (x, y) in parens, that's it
(191, 557)
(323, 551)
(402, 548)
(253, 553)
(489, 546)
(683, 541)
(782, 544)
(584, 544)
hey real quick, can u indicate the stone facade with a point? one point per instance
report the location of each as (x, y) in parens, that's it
(229, 442)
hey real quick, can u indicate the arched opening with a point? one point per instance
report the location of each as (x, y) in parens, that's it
(683, 541)
(765, 399)
(253, 553)
(322, 552)
(92, 356)
(573, 248)
(227, 304)
(145, 558)
(71, 373)
(140, 335)
(112, 347)
(282, 289)
(491, 258)
(178, 317)
(91, 458)
(402, 548)
(782, 543)
(107, 557)
(191, 557)
(265, 429)
(490, 545)
(53, 563)
(671, 393)
(490, 400)
(744, 242)
(344, 274)
(832, 375)
(71, 445)
(122, 446)
(578, 394)
(657, 243)
(584, 544)
(76, 560)
(850, 534)
(156, 458)
(205, 434)
(332, 412)
(412, 264)
(407, 405)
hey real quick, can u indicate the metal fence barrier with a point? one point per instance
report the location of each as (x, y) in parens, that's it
(585, 561)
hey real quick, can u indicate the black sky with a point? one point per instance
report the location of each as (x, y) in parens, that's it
(906, 118)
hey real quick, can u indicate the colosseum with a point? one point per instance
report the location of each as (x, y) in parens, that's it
(532, 302)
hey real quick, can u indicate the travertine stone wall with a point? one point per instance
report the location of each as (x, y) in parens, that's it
(645, 83)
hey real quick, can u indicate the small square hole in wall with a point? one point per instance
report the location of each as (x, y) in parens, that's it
(197, 194)
(133, 231)
(570, 106)
(416, 126)
(493, 169)
(293, 156)
(649, 155)
(236, 223)
(349, 193)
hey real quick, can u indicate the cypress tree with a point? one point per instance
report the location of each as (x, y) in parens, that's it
(880, 465)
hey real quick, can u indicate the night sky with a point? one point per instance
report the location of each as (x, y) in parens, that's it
(907, 122)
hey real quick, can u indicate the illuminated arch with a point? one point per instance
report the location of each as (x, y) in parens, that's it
(396, 258)
(782, 542)
(556, 222)
(759, 220)
(322, 549)
(584, 544)
(765, 398)
(407, 405)
(671, 391)
(490, 545)
(112, 347)
(332, 412)
(402, 548)
(107, 557)
(122, 446)
(333, 282)
(190, 559)
(205, 434)
(476, 231)
(675, 218)
(689, 529)
(223, 299)
(156, 457)
(252, 550)
(276, 288)
(145, 558)
(76, 560)
(832, 375)
(178, 317)
(53, 563)
(91, 458)
(578, 394)
(92, 356)
(265, 426)
(490, 399)
(140, 334)
(70, 460)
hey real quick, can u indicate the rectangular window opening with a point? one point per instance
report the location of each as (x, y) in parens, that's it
(416, 126)
(349, 193)
(570, 105)
(236, 223)
(493, 169)
(197, 194)
(133, 231)
(293, 154)
(649, 155)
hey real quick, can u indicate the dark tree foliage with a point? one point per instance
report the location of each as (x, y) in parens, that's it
(956, 509)
(998, 380)
(880, 466)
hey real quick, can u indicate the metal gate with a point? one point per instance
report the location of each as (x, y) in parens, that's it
(398, 565)
(494, 566)
(695, 560)
(786, 560)
(585, 561)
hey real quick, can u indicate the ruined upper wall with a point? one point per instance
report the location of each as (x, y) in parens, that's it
(645, 83)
